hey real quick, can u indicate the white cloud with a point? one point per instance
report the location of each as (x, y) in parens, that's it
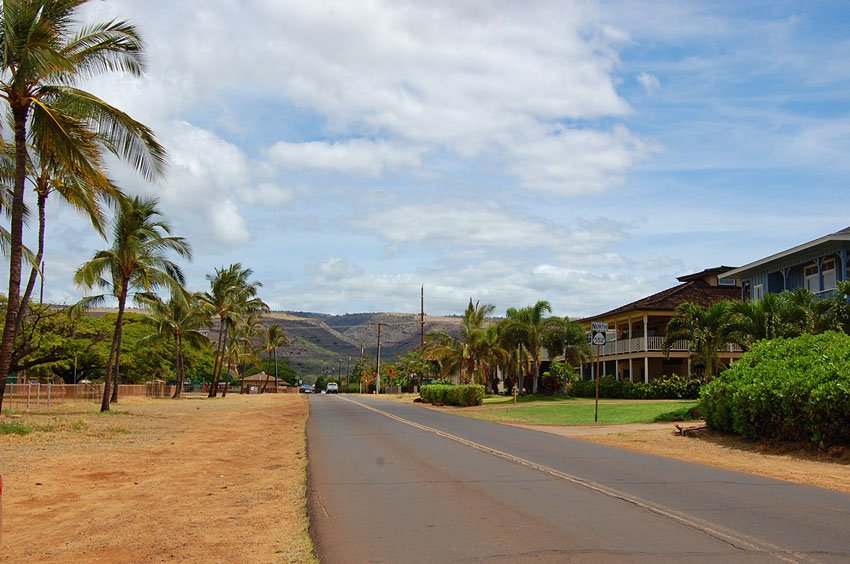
(650, 83)
(267, 195)
(572, 162)
(356, 156)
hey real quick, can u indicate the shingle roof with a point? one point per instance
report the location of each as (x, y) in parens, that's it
(694, 290)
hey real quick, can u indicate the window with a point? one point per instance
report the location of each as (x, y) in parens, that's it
(829, 280)
(725, 281)
(758, 292)
(812, 281)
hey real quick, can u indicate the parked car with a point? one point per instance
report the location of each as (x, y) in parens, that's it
(332, 388)
(306, 389)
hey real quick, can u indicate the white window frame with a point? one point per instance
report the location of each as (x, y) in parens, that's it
(811, 281)
(758, 292)
(829, 272)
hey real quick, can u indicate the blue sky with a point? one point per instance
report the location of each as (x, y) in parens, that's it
(586, 153)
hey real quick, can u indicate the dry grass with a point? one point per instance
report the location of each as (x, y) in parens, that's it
(191, 480)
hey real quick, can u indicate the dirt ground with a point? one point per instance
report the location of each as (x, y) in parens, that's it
(192, 480)
(223, 480)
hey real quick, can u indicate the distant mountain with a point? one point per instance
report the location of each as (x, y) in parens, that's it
(322, 342)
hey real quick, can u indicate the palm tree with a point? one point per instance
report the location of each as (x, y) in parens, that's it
(136, 260)
(462, 356)
(708, 330)
(787, 314)
(42, 58)
(231, 295)
(273, 338)
(567, 339)
(527, 327)
(181, 321)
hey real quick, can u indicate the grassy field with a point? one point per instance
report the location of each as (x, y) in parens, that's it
(561, 411)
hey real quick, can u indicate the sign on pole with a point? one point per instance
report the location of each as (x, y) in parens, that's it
(599, 335)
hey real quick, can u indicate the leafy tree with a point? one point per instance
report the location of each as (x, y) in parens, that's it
(566, 339)
(528, 327)
(464, 355)
(708, 330)
(136, 260)
(231, 297)
(42, 59)
(274, 337)
(180, 320)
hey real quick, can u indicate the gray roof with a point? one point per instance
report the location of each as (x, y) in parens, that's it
(841, 235)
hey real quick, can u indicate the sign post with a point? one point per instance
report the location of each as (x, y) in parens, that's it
(598, 337)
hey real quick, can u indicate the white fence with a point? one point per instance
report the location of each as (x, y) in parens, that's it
(639, 344)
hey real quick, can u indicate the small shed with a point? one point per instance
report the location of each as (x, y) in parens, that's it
(255, 384)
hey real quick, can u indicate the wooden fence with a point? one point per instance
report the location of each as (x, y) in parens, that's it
(35, 395)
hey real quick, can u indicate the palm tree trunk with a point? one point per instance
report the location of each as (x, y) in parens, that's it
(116, 376)
(178, 367)
(219, 359)
(536, 376)
(25, 298)
(113, 351)
(274, 354)
(16, 232)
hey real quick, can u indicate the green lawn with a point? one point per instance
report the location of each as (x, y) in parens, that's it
(578, 411)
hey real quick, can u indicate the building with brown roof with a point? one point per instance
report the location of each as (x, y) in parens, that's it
(636, 330)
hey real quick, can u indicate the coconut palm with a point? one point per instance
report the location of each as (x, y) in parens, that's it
(231, 295)
(274, 337)
(527, 327)
(708, 330)
(42, 59)
(179, 320)
(461, 356)
(136, 260)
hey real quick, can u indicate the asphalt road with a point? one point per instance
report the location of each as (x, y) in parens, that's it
(397, 483)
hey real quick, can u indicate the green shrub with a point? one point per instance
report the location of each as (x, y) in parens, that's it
(448, 394)
(785, 389)
(674, 387)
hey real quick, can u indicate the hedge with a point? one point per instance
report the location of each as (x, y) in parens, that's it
(674, 387)
(447, 394)
(787, 390)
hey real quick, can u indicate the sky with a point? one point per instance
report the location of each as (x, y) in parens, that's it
(585, 153)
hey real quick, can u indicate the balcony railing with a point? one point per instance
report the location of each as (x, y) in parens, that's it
(652, 344)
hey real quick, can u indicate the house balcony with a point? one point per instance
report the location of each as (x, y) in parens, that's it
(650, 344)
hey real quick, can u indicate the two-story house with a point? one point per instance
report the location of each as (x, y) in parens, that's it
(817, 266)
(636, 331)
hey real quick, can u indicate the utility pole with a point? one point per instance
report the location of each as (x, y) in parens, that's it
(422, 317)
(378, 363)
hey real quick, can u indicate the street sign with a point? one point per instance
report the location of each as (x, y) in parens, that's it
(599, 333)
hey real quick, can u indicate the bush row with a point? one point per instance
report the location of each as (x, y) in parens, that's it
(447, 394)
(785, 389)
(674, 387)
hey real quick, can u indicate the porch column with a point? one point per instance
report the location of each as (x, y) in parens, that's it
(646, 369)
(820, 274)
(785, 272)
(689, 367)
(631, 371)
(645, 332)
(617, 368)
(842, 275)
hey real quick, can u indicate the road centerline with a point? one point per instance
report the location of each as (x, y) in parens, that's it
(736, 539)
